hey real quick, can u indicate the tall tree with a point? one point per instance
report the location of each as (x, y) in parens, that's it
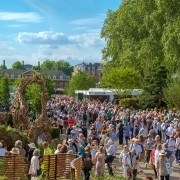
(58, 65)
(120, 78)
(172, 92)
(143, 33)
(80, 81)
(17, 65)
(4, 91)
(153, 87)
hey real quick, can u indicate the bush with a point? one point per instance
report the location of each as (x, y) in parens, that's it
(55, 132)
(10, 135)
(129, 103)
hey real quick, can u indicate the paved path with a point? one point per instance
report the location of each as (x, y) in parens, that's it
(148, 172)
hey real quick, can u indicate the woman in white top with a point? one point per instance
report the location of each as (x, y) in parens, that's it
(157, 152)
(58, 150)
(34, 166)
(125, 160)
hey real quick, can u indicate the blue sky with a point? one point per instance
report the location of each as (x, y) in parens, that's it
(35, 30)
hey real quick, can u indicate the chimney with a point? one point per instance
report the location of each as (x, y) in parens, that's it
(39, 65)
(23, 63)
(4, 64)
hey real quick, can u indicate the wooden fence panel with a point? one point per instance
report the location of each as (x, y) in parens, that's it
(13, 167)
(58, 166)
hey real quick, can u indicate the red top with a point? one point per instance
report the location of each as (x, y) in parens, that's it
(152, 155)
(70, 122)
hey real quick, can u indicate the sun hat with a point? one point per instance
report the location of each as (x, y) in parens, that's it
(15, 151)
(162, 153)
(70, 140)
(32, 146)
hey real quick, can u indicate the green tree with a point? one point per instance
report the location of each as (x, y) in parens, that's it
(143, 33)
(17, 65)
(33, 96)
(80, 81)
(4, 90)
(50, 86)
(58, 65)
(2, 67)
(120, 78)
(172, 92)
(153, 87)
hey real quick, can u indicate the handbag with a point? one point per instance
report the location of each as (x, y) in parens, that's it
(169, 168)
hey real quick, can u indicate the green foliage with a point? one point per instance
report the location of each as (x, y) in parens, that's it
(55, 133)
(129, 103)
(17, 65)
(2, 67)
(10, 135)
(142, 33)
(4, 90)
(80, 81)
(57, 65)
(172, 92)
(120, 78)
(33, 96)
(50, 85)
(153, 86)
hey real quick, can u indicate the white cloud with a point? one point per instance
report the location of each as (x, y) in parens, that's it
(20, 16)
(52, 45)
(58, 38)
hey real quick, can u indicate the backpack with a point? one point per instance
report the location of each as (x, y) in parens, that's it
(87, 162)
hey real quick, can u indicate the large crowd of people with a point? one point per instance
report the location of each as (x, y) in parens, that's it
(95, 130)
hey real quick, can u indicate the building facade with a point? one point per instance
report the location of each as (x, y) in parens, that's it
(58, 77)
(92, 68)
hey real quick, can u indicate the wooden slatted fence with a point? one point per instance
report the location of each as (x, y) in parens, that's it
(59, 166)
(13, 167)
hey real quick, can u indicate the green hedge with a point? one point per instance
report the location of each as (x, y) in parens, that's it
(129, 103)
(55, 133)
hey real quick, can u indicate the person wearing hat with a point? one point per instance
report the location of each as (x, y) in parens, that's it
(32, 147)
(162, 167)
(14, 151)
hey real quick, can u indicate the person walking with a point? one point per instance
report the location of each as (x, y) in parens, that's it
(34, 169)
(100, 162)
(162, 166)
